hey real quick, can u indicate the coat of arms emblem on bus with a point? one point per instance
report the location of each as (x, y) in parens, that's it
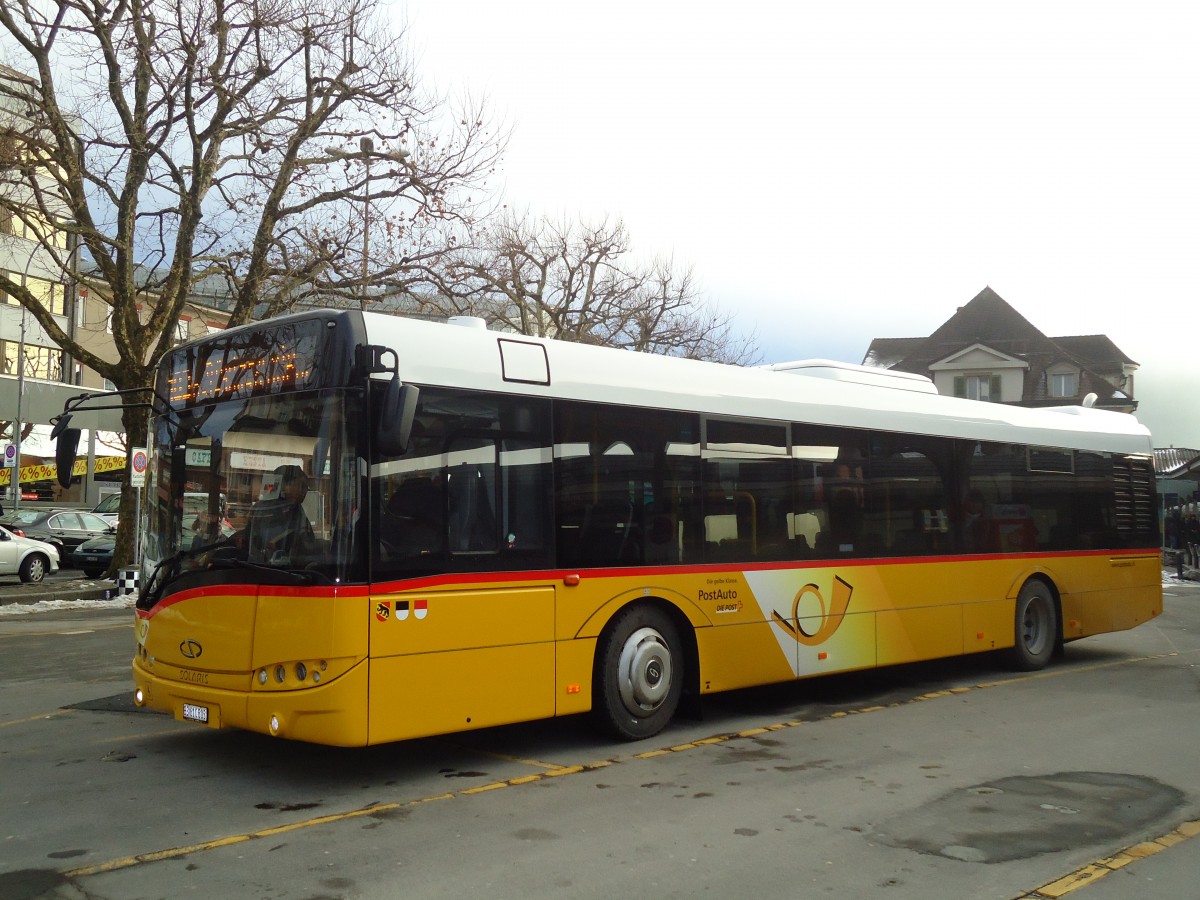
(813, 621)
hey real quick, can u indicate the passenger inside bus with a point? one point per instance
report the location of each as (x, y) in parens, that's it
(973, 532)
(206, 528)
(846, 503)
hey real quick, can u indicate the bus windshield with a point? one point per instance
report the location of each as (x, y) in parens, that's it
(269, 483)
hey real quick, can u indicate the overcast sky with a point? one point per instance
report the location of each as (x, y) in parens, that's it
(836, 172)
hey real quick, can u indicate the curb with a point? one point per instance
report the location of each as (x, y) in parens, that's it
(91, 589)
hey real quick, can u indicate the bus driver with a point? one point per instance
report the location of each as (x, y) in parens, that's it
(279, 529)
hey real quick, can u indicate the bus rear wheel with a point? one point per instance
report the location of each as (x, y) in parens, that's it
(1035, 627)
(639, 675)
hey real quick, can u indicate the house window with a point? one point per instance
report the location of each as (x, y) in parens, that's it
(1066, 385)
(31, 225)
(51, 294)
(978, 387)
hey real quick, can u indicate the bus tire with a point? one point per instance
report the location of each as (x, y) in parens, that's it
(1035, 627)
(639, 676)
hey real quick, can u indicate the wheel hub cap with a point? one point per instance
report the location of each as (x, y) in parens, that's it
(644, 672)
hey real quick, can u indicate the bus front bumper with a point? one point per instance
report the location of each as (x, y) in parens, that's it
(334, 713)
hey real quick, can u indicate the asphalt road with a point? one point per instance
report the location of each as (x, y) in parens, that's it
(953, 779)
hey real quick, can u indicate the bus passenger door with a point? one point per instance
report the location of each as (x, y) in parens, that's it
(460, 639)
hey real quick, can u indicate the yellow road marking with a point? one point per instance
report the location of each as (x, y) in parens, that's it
(37, 718)
(1101, 868)
(127, 861)
(517, 759)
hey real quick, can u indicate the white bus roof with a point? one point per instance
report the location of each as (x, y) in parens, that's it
(435, 353)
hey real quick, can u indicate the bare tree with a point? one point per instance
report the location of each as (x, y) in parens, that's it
(177, 140)
(670, 316)
(581, 283)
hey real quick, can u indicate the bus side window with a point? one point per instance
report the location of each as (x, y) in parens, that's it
(627, 486)
(830, 474)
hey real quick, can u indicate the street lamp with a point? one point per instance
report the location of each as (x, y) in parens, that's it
(18, 425)
(367, 147)
(366, 152)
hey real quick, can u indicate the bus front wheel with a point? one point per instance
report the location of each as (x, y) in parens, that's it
(639, 675)
(1036, 627)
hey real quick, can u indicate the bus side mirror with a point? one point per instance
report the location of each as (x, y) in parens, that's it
(65, 448)
(396, 419)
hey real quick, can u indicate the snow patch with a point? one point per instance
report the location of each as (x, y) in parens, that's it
(125, 601)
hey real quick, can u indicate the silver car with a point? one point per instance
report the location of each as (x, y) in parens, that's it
(32, 560)
(109, 509)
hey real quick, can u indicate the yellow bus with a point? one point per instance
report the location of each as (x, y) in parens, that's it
(486, 528)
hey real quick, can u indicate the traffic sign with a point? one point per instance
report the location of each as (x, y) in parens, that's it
(10, 455)
(139, 461)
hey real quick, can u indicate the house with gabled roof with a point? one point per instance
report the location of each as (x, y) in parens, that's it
(989, 351)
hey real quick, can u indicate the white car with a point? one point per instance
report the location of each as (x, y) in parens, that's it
(32, 560)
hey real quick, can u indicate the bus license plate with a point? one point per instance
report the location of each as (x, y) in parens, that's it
(195, 713)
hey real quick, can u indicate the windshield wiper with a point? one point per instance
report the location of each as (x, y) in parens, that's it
(228, 562)
(170, 568)
(152, 591)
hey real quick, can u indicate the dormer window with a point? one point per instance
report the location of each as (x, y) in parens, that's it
(1063, 384)
(978, 387)
(980, 372)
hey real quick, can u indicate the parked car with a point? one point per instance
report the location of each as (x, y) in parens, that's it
(66, 529)
(31, 560)
(109, 509)
(94, 555)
